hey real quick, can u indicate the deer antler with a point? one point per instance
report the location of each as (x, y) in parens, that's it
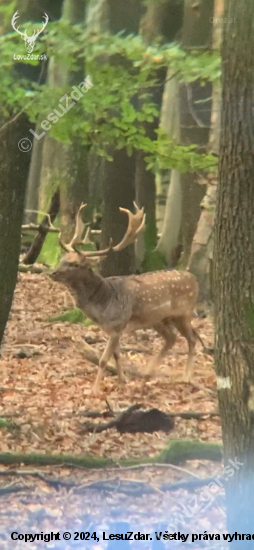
(135, 225)
(79, 228)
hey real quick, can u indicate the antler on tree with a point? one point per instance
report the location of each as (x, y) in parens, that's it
(135, 225)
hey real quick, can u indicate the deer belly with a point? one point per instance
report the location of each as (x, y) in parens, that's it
(134, 325)
(150, 315)
(147, 320)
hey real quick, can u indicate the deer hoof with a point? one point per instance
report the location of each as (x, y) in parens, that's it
(148, 375)
(186, 379)
(95, 391)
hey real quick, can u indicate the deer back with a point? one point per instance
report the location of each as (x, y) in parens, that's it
(160, 295)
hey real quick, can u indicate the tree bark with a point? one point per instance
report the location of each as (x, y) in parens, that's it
(65, 166)
(170, 123)
(148, 258)
(191, 125)
(14, 165)
(194, 118)
(234, 264)
(200, 259)
(119, 174)
(118, 190)
(34, 176)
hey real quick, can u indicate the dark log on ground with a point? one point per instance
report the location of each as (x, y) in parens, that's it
(185, 415)
(133, 420)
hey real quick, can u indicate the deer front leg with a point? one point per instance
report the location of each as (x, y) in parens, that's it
(110, 349)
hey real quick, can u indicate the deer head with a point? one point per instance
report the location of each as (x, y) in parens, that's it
(29, 40)
(75, 265)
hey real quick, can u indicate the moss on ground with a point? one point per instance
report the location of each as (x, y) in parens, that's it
(177, 451)
(73, 316)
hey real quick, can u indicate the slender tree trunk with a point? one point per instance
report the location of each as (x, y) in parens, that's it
(14, 170)
(65, 166)
(147, 256)
(170, 123)
(152, 26)
(194, 117)
(33, 184)
(191, 125)
(119, 174)
(200, 260)
(234, 265)
(145, 196)
(172, 219)
(118, 190)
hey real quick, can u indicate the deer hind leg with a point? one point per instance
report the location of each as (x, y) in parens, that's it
(110, 349)
(165, 330)
(183, 325)
(121, 377)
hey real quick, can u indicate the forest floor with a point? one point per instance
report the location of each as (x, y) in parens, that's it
(46, 390)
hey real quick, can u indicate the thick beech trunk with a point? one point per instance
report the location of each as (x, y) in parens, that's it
(14, 170)
(234, 265)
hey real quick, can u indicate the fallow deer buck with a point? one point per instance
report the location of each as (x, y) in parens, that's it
(162, 300)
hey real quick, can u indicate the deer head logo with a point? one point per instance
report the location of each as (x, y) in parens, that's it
(29, 40)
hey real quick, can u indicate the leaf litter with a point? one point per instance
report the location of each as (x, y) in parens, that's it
(46, 388)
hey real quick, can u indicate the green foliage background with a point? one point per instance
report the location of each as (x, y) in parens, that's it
(105, 116)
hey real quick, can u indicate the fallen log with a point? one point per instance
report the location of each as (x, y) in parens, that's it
(133, 420)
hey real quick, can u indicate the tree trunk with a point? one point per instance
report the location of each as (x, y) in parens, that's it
(172, 219)
(192, 126)
(162, 19)
(234, 265)
(200, 260)
(148, 257)
(119, 174)
(194, 117)
(14, 165)
(118, 190)
(33, 184)
(65, 166)
(171, 226)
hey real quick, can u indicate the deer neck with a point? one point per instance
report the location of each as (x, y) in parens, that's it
(90, 291)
